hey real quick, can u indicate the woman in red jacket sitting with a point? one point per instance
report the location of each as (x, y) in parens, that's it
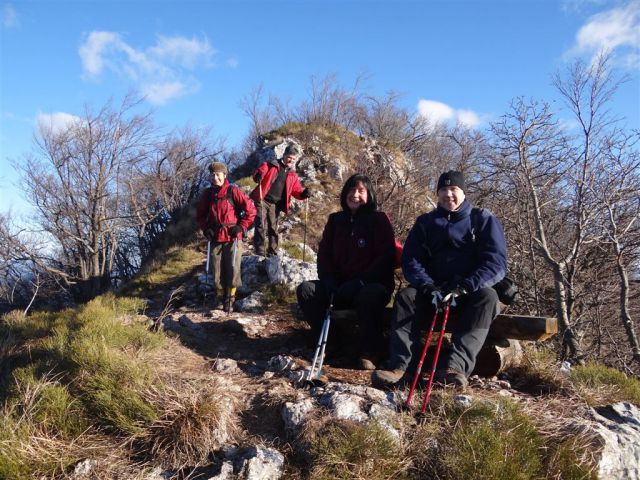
(356, 258)
(224, 214)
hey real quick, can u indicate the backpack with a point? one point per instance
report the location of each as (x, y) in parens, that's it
(229, 198)
(505, 288)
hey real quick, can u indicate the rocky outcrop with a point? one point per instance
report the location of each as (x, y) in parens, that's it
(618, 428)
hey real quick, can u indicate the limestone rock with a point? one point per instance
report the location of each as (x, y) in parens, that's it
(289, 271)
(225, 365)
(280, 363)
(618, 426)
(251, 304)
(293, 414)
(252, 326)
(259, 463)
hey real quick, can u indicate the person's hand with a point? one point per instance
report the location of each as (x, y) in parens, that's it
(330, 285)
(306, 193)
(427, 290)
(453, 292)
(209, 234)
(257, 177)
(235, 231)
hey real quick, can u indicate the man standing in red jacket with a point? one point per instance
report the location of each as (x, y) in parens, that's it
(224, 214)
(277, 183)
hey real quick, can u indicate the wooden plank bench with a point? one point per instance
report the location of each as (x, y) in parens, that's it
(502, 348)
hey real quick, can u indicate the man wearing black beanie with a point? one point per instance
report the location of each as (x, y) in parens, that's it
(456, 251)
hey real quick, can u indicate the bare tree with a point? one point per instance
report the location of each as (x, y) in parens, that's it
(617, 189)
(76, 184)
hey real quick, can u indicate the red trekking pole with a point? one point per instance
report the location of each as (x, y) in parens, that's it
(446, 303)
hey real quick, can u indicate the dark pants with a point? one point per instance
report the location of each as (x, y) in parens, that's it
(267, 215)
(367, 300)
(413, 313)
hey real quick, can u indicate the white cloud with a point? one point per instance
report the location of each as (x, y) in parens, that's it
(438, 112)
(161, 93)
(55, 123)
(162, 72)
(233, 62)
(616, 30)
(10, 16)
(187, 52)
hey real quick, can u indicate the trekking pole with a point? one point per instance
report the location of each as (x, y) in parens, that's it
(206, 268)
(304, 242)
(422, 357)
(322, 343)
(437, 354)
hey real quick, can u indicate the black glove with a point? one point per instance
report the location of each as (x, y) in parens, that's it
(305, 194)
(330, 284)
(209, 234)
(427, 290)
(235, 231)
(454, 289)
(257, 177)
(349, 289)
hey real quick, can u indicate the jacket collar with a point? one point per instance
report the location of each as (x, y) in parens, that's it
(463, 211)
(220, 191)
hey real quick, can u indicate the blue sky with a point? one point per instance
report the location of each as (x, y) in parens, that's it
(195, 60)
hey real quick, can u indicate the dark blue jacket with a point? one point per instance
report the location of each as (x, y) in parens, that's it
(444, 247)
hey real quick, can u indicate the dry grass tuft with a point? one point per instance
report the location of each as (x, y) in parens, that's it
(340, 449)
(196, 420)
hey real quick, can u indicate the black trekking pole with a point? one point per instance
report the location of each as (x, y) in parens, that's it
(320, 348)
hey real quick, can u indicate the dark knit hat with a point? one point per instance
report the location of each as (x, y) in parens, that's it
(217, 167)
(293, 149)
(451, 179)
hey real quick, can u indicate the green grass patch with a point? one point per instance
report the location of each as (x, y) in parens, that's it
(278, 294)
(600, 384)
(166, 269)
(72, 371)
(346, 450)
(489, 441)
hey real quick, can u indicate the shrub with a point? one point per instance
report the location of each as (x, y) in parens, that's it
(196, 420)
(164, 269)
(278, 293)
(488, 441)
(346, 450)
(600, 384)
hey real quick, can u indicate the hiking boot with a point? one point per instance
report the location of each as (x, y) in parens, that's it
(227, 304)
(450, 377)
(387, 378)
(366, 363)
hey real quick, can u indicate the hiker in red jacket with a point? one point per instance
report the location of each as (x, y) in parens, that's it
(356, 259)
(224, 213)
(277, 183)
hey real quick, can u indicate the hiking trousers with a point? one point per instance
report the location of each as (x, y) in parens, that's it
(226, 273)
(269, 233)
(368, 300)
(469, 323)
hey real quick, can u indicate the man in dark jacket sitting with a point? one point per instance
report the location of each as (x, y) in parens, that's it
(454, 249)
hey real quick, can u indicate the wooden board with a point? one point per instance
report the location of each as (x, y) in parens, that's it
(516, 327)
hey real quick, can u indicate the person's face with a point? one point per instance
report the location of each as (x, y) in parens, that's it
(217, 179)
(450, 198)
(289, 160)
(357, 197)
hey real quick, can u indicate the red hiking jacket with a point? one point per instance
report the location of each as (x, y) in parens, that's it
(268, 171)
(216, 212)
